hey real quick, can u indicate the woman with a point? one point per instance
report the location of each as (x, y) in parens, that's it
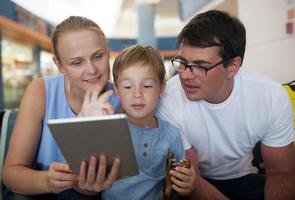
(34, 165)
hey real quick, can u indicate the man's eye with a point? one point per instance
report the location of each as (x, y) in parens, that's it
(202, 66)
(127, 87)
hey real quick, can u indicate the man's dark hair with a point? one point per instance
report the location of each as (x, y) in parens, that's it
(216, 28)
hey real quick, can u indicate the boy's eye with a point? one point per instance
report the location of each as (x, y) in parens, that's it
(126, 87)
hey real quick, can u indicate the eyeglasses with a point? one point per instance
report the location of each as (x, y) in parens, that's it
(198, 70)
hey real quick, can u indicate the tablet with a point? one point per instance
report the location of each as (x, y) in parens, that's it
(79, 138)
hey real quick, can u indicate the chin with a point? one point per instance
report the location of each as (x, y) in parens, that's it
(193, 97)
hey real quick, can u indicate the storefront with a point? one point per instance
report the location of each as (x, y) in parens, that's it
(25, 55)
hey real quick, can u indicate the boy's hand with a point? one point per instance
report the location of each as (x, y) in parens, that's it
(183, 180)
(60, 178)
(95, 104)
(96, 179)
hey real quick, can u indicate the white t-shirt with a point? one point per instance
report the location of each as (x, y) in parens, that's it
(224, 134)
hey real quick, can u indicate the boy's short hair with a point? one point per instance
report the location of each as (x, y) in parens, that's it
(142, 55)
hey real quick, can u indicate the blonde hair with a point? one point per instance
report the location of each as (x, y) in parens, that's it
(73, 23)
(142, 55)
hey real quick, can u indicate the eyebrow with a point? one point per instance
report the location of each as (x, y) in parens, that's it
(98, 51)
(195, 61)
(145, 79)
(94, 53)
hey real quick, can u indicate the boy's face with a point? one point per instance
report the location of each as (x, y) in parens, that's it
(139, 90)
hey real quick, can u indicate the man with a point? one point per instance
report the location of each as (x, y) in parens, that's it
(222, 112)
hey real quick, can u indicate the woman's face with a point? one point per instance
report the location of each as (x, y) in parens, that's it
(83, 56)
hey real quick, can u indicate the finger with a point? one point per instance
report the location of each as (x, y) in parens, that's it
(104, 97)
(183, 170)
(87, 97)
(94, 96)
(91, 174)
(179, 182)
(63, 185)
(60, 167)
(101, 173)
(178, 175)
(180, 190)
(108, 108)
(62, 176)
(82, 173)
(113, 175)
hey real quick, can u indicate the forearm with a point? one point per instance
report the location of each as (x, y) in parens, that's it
(23, 180)
(280, 187)
(206, 191)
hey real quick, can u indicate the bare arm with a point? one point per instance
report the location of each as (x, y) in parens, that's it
(203, 189)
(279, 164)
(18, 175)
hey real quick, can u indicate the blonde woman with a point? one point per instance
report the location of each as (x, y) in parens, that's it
(34, 165)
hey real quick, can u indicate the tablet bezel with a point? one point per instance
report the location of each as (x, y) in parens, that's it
(107, 134)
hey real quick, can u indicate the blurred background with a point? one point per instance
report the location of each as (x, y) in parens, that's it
(26, 26)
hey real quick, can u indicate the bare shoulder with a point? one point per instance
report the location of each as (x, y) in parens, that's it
(33, 101)
(36, 87)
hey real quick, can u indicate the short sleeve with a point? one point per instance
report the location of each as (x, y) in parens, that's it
(280, 122)
(167, 110)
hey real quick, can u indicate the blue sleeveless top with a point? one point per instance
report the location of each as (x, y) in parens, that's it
(57, 107)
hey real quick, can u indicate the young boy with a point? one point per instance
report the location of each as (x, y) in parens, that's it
(139, 83)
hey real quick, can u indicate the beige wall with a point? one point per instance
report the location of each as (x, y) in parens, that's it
(270, 50)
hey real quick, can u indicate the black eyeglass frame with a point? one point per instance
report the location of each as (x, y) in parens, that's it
(190, 66)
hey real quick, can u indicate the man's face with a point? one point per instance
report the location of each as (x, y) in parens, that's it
(215, 86)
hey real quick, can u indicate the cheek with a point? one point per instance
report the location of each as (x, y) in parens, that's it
(102, 65)
(154, 98)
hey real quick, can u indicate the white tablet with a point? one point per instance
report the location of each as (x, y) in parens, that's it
(79, 138)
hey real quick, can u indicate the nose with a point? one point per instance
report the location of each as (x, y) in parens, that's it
(187, 74)
(137, 92)
(91, 68)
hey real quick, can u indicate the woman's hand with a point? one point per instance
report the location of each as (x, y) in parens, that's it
(95, 104)
(183, 180)
(96, 178)
(60, 178)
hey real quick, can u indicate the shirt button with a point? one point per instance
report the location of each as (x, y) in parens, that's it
(145, 144)
(144, 154)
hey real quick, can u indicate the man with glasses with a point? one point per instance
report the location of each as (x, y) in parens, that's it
(222, 112)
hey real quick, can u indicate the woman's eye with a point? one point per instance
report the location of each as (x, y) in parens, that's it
(76, 63)
(147, 86)
(98, 56)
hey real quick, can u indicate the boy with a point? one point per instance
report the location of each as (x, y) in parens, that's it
(139, 83)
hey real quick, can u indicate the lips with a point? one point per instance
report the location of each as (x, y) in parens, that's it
(190, 88)
(137, 106)
(93, 80)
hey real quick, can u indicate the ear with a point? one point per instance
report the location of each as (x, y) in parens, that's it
(162, 88)
(57, 63)
(233, 67)
(116, 90)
